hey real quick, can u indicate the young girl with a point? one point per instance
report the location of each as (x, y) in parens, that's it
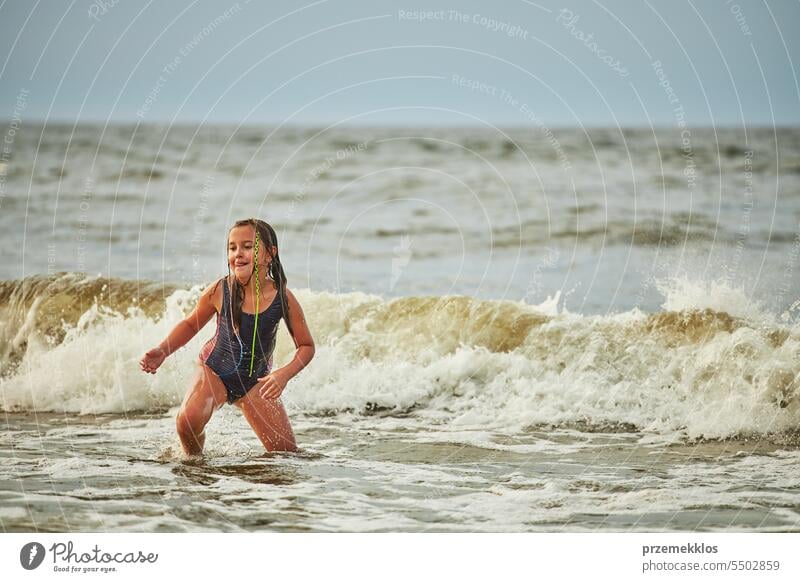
(235, 366)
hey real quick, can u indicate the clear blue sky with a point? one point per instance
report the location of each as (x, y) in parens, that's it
(723, 63)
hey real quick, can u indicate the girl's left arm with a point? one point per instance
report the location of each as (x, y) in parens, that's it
(302, 338)
(275, 382)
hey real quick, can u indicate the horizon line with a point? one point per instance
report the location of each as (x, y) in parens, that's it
(389, 124)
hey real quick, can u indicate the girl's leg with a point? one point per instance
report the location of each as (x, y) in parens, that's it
(269, 420)
(206, 395)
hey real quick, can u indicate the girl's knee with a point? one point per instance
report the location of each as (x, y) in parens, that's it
(189, 424)
(182, 423)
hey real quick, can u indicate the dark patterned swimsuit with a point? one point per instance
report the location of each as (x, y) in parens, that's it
(229, 356)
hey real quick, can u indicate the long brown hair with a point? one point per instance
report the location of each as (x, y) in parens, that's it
(268, 239)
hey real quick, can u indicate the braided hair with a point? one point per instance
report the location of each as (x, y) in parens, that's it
(266, 233)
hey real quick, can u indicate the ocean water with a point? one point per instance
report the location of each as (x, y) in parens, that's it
(516, 331)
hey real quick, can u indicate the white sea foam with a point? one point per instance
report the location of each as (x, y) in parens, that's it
(706, 366)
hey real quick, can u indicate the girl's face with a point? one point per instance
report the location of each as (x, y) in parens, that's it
(241, 244)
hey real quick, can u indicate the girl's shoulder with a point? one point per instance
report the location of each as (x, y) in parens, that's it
(291, 300)
(214, 293)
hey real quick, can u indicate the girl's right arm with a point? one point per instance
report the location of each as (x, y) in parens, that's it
(183, 332)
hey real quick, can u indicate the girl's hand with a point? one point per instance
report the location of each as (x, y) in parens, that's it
(152, 360)
(273, 385)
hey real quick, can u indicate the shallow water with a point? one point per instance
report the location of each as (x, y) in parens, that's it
(112, 473)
